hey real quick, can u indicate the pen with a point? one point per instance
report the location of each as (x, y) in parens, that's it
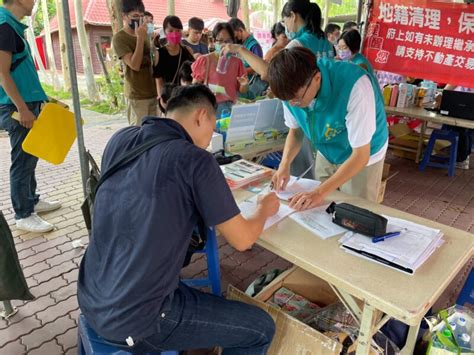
(386, 236)
(304, 172)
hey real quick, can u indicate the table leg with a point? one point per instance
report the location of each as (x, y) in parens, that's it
(8, 310)
(365, 332)
(420, 141)
(349, 302)
(409, 347)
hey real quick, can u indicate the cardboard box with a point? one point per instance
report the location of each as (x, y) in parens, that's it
(293, 336)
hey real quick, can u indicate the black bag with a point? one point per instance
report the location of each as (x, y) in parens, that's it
(13, 285)
(358, 219)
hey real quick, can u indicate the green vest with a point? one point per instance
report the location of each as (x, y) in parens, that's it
(320, 47)
(362, 61)
(325, 123)
(24, 75)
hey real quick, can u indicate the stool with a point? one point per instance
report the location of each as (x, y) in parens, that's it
(89, 342)
(441, 162)
(272, 160)
(467, 292)
(213, 279)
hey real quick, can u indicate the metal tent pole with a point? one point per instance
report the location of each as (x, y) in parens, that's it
(75, 97)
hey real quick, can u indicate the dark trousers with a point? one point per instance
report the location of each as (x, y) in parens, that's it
(199, 320)
(465, 141)
(23, 165)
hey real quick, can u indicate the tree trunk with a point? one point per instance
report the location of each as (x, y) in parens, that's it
(49, 46)
(244, 5)
(30, 37)
(86, 52)
(62, 46)
(171, 7)
(115, 14)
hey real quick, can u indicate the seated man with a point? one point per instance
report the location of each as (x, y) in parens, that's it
(144, 214)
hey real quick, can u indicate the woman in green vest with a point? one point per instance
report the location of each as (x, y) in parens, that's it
(336, 106)
(302, 21)
(348, 49)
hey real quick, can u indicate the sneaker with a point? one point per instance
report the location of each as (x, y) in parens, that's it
(463, 164)
(34, 224)
(47, 206)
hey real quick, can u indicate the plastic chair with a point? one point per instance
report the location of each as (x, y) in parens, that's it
(441, 162)
(89, 342)
(467, 292)
(272, 160)
(213, 279)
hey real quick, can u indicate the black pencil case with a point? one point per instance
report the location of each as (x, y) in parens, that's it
(358, 219)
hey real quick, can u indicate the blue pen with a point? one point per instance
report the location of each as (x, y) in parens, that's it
(386, 236)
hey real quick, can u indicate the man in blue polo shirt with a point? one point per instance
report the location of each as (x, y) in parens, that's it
(144, 214)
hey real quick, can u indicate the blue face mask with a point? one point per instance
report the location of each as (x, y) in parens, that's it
(290, 35)
(218, 48)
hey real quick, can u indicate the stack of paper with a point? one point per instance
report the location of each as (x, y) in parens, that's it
(406, 252)
(296, 186)
(243, 172)
(318, 221)
(248, 208)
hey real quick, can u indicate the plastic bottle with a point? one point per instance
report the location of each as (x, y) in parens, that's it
(461, 326)
(464, 341)
(223, 64)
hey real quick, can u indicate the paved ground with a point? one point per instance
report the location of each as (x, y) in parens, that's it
(47, 325)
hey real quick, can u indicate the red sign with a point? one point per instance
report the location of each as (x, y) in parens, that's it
(422, 39)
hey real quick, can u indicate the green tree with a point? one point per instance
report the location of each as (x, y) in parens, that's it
(38, 24)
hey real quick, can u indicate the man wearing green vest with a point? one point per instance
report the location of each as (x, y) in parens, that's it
(21, 91)
(336, 106)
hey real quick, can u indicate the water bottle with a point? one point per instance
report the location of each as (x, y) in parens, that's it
(223, 64)
(464, 341)
(453, 326)
(461, 326)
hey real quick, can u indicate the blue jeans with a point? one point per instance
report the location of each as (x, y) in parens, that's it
(22, 170)
(199, 320)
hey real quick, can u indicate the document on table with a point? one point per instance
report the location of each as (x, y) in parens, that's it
(319, 222)
(296, 186)
(405, 252)
(248, 207)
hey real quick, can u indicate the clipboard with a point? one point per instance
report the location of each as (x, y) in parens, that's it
(52, 134)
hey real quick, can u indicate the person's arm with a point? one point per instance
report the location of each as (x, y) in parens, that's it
(293, 143)
(255, 62)
(6, 82)
(217, 207)
(242, 232)
(134, 60)
(361, 126)
(350, 168)
(160, 83)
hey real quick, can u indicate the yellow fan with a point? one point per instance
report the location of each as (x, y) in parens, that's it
(52, 135)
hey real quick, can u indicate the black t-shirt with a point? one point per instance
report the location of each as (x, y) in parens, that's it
(9, 40)
(168, 64)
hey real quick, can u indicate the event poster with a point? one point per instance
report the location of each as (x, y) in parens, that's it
(422, 39)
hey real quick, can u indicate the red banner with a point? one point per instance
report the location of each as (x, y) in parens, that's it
(422, 39)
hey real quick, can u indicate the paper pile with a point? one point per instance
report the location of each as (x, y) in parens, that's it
(243, 172)
(406, 252)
